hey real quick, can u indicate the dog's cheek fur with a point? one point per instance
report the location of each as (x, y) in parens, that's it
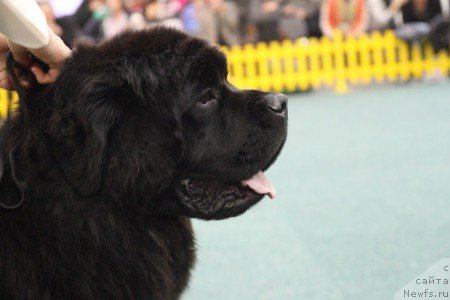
(80, 140)
(147, 161)
(119, 110)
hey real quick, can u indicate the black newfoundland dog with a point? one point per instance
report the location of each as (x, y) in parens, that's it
(139, 134)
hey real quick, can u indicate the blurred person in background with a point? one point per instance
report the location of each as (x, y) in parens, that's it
(313, 17)
(293, 21)
(98, 11)
(418, 16)
(189, 17)
(224, 21)
(265, 15)
(275, 20)
(66, 26)
(348, 16)
(196, 17)
(297, 18)
(215, 20)
(135, 5)
(243, 8)
(137, 19)
(50, 16)
(165, 12)
(117, 19)
(422, 10)
(92, 28)
(384, 14)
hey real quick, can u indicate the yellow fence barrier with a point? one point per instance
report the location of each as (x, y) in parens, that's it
(309, 63)
(5, 98)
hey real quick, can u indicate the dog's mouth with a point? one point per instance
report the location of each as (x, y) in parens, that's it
(209, 199)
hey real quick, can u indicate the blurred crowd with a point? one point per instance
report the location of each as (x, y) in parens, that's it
(249, 21)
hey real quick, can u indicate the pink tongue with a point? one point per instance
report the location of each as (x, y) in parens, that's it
(260, 184)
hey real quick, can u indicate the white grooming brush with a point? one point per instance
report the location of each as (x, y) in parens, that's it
(24, 23)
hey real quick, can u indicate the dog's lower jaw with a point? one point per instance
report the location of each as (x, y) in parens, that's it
(176, 203)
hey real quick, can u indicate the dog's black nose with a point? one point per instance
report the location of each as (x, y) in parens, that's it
(276, 103)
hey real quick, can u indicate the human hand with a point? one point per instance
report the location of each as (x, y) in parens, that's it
(53, 55)
(5, 80)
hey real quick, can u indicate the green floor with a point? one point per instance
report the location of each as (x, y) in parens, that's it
(363, 203)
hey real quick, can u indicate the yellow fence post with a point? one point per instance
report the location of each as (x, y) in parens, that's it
(417, 61)
(302, 54)
(250, 67)
(288, 64)
(341, 80)
(327, 61)
(429, 62)
(3, 103)
(262, 63)
(391, 55)
(352, 61)
(238, 66)
(314, 63)
(377, 57)
(404, 60)
(443, 62)
(276, 74)
(365, 68)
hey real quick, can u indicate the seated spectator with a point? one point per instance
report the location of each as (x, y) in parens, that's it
(291, 19)
(116, 21)
(196, 17)
(50, 16)
(293, 23)
(64, 26)
(382, 13)
(92, 28)
(82, 14)
(417, 16)
(440, 33)
(165, 12)
(213, 20)
(225, 22)
(136, 9)
(295, 17)
(348, 16)
(421, 10)
(135, 5)
(265, 15)
(189, 17)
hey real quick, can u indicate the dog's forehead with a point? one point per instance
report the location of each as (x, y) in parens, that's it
(166, 44)
(210, 60)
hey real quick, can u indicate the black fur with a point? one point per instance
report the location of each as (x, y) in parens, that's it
(105, 160)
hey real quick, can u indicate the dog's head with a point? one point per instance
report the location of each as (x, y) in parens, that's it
(150, 120)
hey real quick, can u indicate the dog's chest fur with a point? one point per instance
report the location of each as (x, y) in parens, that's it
(94, 253)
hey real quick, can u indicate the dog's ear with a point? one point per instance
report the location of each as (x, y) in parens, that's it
(81, 119)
